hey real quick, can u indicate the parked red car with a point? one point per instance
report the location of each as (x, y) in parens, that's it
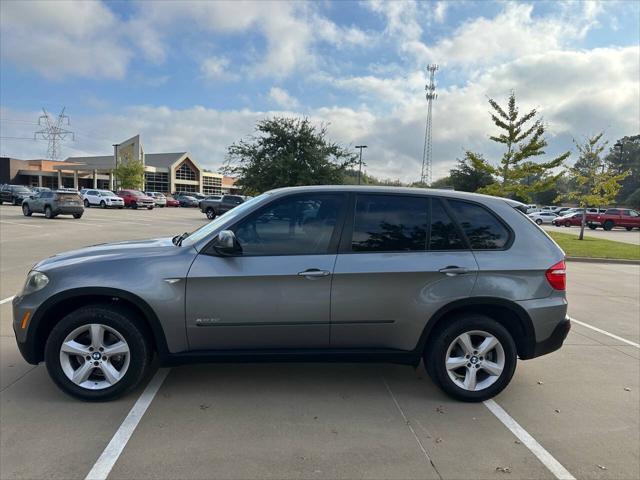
(573, 219)
(172, 202)
(616, 217)
(135, 199)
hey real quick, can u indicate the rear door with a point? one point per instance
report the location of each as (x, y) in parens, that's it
(401, 258)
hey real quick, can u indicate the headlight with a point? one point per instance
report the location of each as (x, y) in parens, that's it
(35, 281)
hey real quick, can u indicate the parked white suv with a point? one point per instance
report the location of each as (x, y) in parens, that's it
(102, 199)
(158, 198)
(543, 217)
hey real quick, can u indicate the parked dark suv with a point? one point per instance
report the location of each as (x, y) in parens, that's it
(14, 194)
(213, 206)
(466, 282)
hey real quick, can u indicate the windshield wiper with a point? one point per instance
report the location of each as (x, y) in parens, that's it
(177, 240)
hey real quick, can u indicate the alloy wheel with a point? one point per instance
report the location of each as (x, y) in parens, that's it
(94, 356)
(475, 360)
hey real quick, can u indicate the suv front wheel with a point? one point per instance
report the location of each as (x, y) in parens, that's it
(97, 353)
(472, 359)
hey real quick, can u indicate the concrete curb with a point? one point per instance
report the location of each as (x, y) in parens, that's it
(602, 260)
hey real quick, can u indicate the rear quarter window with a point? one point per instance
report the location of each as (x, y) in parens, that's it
(483, 229)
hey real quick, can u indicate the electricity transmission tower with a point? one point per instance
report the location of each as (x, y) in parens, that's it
(425, 176)
(53, 132)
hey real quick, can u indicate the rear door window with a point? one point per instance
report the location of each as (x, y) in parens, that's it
(444, 233)
(390, 223)
(483, 230)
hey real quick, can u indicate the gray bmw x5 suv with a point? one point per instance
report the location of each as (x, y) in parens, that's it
(465, 282)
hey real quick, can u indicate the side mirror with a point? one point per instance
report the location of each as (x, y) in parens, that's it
(226, 243)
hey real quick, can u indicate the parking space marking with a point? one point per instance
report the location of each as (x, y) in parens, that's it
(604, 332)
(110, 455)
(538, 450)
(21, 224)
(408, 424)
(6, 300)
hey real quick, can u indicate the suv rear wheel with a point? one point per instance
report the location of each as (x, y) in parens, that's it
(48, 212)
(97, 353)
(608, 225)
(211, 214)
(472, 359)
(26, 210)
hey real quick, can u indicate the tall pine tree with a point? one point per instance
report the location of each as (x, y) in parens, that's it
(518, 175)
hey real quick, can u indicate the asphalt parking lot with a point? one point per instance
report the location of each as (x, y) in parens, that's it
(580, 405)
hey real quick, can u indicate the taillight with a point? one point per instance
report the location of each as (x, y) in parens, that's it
(557, 276)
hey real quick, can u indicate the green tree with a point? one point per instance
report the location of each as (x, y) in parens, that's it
(523, 142)
(467, 177)
(627, 159)
(129, 174)
(594, 182)
(444, 182)
(287, 152)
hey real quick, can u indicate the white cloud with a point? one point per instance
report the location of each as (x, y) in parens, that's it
(440, 11)
(216, 68)
(282, 98)
(63, 38)
(513, 33)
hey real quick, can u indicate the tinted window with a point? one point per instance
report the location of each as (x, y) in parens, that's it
(612, 211)
(444, 234)
(300, 225)
(483, 229)
(388, 223)
(92, 192)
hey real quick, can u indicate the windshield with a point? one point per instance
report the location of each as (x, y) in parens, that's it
(106, 193)
(206, 229)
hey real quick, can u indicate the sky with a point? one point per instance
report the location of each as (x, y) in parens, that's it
(197, 76)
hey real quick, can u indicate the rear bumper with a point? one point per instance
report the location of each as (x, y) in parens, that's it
(69, 210)
(555, 340)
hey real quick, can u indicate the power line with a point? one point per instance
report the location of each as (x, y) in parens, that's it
(53, 132)
(427, 151)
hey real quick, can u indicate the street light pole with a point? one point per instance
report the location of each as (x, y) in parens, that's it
(360, 147)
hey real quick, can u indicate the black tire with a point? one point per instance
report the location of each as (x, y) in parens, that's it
(48, 213)
(608, 225)
(134, 205)
(592, 226)
(102, 204)
(539, 222)
(120, 208)
(16, 202)
(77, 215)
(150, 208)
(211, 213)
(121, 320)
(1, 202)
(26, 210)
(436, 354)
(629, 228)
(86, 203)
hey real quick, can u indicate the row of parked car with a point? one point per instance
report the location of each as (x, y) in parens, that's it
(68, 201)
(605, 218)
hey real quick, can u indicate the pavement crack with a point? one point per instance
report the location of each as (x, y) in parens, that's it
(410, 427)
(19, 378)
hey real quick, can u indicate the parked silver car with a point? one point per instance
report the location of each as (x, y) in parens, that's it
(466, 282)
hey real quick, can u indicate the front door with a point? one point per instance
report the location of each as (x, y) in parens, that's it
(401, 259)
(276, 293)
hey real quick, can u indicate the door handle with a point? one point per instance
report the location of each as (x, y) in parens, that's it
(452, 270)
(314, 272)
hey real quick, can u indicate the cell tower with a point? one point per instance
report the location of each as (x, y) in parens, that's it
(53, 132)
(425, 176)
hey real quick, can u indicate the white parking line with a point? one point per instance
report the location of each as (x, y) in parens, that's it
(6, 300)
(604, 332)
(21, 224)
(538, 450)
(110, 455)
